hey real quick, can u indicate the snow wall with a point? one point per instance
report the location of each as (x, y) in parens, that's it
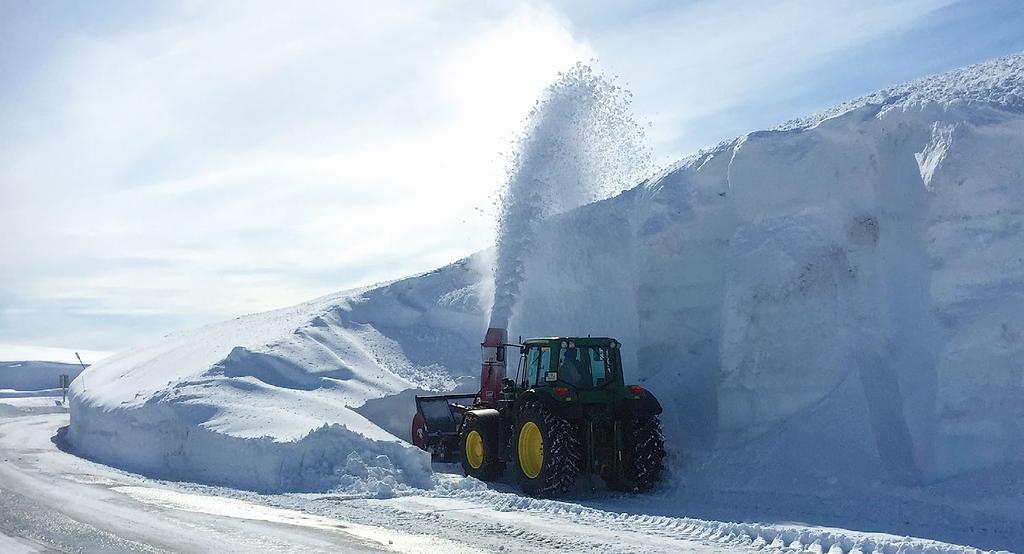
(864, 264)
(839, 298)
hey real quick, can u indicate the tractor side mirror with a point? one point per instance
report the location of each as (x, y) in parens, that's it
(500, 354)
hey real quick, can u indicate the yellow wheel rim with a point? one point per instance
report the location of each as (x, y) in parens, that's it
(531, 449)
(474, 449)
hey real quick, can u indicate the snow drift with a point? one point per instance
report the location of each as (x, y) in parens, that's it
(265, 401)
(836, 301)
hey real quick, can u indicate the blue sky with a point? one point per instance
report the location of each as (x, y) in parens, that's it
(168, 164)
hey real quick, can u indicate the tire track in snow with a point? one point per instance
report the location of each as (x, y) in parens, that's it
(506, 521)
(741, 536)
(518, 531)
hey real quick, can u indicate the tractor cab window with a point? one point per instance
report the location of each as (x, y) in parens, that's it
(586, 367)
(538, 363)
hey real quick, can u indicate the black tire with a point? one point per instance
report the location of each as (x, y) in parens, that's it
(646, 446)
(490, 467)
(561, 452)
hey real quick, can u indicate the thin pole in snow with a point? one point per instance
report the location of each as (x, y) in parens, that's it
(81, 363)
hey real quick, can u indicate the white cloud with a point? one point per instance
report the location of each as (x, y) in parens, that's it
(236, 157)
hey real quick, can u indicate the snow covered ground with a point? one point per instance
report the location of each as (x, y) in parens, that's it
(829, 311)
(53, 500)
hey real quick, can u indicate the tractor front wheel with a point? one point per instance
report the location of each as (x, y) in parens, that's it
(479, 450)
(547, 452)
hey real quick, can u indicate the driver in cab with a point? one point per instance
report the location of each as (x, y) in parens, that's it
(573, 368)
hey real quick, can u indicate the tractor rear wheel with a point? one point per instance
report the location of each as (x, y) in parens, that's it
(479, 450)
(547, 451)
(647, 447)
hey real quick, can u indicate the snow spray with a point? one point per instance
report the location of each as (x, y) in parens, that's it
(580, 144)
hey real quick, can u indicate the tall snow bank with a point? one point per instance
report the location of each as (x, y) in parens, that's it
(265, 401)
(865, 262)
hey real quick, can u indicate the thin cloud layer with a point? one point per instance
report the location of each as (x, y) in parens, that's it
(226, 159)
(183, 162)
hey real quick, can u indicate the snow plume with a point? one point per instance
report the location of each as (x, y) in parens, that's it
(580, 144)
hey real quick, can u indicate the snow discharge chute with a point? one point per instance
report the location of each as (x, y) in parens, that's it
(580, 144)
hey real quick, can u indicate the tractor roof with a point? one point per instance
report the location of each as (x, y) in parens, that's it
(582, 341)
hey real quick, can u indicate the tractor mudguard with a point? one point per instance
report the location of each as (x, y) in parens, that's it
(480, 440)
(489, 416)
(560, 408)
(645, 406)
(491, 421)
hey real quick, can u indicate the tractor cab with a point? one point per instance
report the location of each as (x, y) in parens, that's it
(577, 363)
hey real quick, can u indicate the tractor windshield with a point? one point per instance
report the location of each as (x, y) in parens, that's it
(586, 367)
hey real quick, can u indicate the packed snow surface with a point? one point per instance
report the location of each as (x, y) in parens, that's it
(829, 312)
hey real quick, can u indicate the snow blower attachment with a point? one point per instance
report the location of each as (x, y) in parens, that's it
(566, 413)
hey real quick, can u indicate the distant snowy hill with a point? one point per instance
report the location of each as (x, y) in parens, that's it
(33, 376)
(26, 369)
(835, 303)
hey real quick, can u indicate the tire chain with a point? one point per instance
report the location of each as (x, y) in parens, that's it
(565, 446)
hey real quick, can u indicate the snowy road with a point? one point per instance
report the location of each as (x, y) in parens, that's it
(50, 500)
(54, 501)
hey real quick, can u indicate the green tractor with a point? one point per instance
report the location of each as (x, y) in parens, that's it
(566, 413)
